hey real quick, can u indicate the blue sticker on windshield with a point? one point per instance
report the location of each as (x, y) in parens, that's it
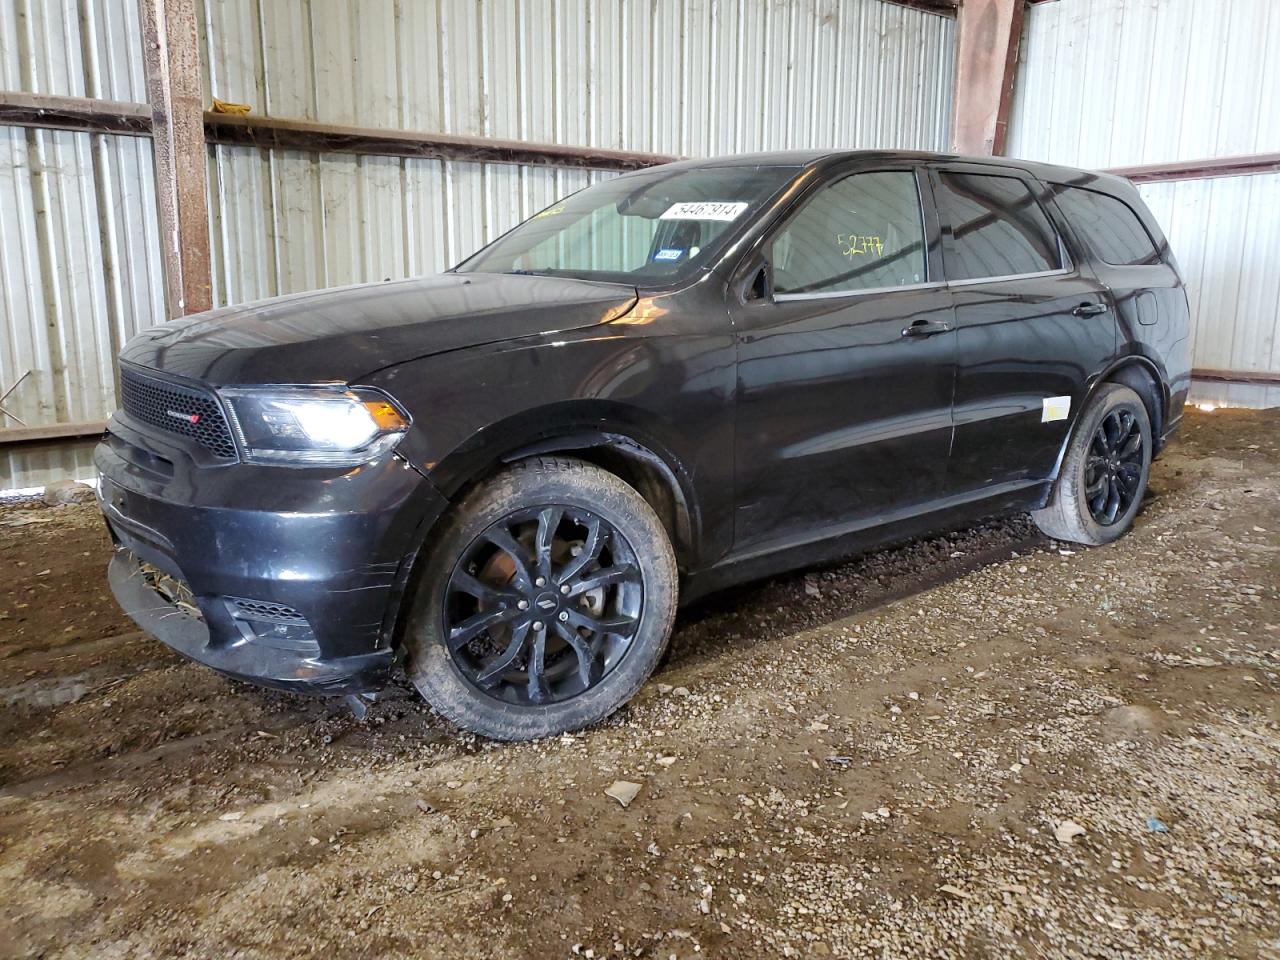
(669, 253)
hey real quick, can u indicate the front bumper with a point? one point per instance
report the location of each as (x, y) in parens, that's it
(241, 659)
(294, 575)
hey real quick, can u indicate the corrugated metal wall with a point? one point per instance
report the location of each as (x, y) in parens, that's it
(80, 268)
(1104, 83)
(1226, 234)
(688, 77)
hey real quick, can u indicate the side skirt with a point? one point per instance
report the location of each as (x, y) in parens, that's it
(897, 526)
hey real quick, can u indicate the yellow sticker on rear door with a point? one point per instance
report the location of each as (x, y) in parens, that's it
(1055, 408)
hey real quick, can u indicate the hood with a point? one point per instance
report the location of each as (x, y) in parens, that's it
(348, 333)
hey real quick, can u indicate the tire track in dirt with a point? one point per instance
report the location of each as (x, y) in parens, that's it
(36, 659)
(926, 701)
(149, 690)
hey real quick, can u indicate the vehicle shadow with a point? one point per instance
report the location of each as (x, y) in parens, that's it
(742, 616)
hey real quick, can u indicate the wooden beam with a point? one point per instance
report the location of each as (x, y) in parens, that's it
(986, 67)
(172, 55)
(946, 8)
(74, 113)
(1241, 166)
(52, 431)
(248, 130)
(137, 119)
(1261, 377)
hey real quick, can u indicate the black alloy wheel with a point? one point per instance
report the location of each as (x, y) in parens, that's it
(543, 604)
(545, 601)
(1113, 470)
(1103, 476)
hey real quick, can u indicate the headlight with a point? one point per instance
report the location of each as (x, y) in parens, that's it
(322, 426)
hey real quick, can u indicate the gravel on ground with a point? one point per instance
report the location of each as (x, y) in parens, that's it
(979, 744)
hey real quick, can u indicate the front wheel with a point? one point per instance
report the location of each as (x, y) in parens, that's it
(546, 602)
(1104, 473)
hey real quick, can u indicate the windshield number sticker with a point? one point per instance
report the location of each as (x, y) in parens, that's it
(669, 253)
(705, 210)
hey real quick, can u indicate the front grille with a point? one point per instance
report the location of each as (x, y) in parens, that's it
(273, 625)
(265, 610)
(187, 411)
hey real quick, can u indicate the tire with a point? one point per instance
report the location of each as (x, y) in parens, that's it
(1090, 465)
(475, 575)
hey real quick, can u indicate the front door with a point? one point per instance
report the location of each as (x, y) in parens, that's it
(845, 371)
(1032, 330)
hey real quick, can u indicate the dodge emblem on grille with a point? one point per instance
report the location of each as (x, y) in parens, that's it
(179, 415)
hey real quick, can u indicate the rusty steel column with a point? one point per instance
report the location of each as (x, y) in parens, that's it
(986, 66)
(171, 40)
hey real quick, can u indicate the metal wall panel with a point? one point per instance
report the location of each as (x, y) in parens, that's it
(689, 77)
(286, 221)
(1105, 83)
(79, 256)
(80, 268)
(72, 48)
(80, 273)
(1226, 234)
(1111, 83)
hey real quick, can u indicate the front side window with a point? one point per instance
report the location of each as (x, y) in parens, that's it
(864, 232)
(1109, 226)
(654, 226)
(998, 228)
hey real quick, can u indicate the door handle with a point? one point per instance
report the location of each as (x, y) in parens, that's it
(1089, 309)
(925, 328)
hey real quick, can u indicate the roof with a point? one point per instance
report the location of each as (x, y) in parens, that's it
(803, 158)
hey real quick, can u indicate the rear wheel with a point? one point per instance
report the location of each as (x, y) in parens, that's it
(1104, 473)
(546, 602)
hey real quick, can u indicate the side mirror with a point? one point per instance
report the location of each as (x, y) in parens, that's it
(757, 285)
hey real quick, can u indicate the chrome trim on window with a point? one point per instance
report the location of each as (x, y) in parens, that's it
(831, 295)
(1061, 272)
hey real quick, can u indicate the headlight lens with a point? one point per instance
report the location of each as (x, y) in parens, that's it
(314, 425)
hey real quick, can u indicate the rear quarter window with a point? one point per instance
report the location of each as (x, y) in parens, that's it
(996, 228)
(1110, 227)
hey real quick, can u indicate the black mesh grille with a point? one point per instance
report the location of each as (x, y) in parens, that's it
(187, 411)
(265, 610)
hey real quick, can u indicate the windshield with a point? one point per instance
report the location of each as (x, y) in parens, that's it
(658, 225)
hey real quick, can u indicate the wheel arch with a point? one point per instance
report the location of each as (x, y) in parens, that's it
(616, 437)
(1142, 376)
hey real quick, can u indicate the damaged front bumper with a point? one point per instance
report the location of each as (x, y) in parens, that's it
(286, 578)
(176, 625)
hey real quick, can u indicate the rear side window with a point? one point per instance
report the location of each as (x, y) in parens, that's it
(1109, 226)
(864, 232)
(998, 228)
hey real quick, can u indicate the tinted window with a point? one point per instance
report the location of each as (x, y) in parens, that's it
(655, 225)
(997, 228)
(1109, 226)
(860, 233)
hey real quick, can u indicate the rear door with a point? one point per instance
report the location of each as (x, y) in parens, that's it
(845, 370)
(1033, 328)
(1138, 269)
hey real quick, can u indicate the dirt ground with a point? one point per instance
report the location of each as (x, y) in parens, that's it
(872, 759)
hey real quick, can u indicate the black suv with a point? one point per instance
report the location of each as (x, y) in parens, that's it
(506, 476)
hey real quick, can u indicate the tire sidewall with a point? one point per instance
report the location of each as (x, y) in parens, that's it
(1114, 397)
(570, 483)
